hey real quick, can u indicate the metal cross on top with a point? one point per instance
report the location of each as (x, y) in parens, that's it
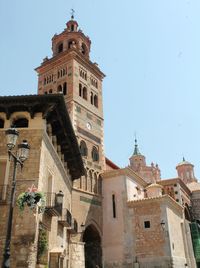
(72, 13)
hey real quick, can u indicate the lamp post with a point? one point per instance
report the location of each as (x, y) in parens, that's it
(18, 158)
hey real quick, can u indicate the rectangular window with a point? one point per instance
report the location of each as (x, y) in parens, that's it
(147, 224)
(114, 206)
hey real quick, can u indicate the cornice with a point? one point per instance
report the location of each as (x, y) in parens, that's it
(164, 198)
(57, 160)
(124, 171)
(72, 54)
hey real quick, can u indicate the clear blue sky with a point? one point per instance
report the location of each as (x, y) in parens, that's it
(150, 53)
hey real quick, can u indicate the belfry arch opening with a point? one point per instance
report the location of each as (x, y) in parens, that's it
(93, 252)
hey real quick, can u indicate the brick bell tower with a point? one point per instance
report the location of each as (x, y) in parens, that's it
(70, 72)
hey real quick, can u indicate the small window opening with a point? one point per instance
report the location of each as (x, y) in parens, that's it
(65, 88)
(72, 27)
(59, 90)
(83, 148)
(85, 93)
(80, 90)
(91, 98)
(96, 101)
(147, 224)
(1, 123)
(83, 49)
(95, 154)
(21, 122)
(114, 206)
(70, 43)
(60, 48)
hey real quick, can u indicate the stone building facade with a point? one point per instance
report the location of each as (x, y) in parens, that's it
(53, 164)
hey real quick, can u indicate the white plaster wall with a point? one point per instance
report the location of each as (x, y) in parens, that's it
(113, 227)
(176, 238)
(133, 193)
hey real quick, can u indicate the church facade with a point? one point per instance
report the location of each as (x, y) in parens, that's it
(109, 216)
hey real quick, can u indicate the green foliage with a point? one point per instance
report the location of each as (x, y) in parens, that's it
(42, 242)
(30, 199)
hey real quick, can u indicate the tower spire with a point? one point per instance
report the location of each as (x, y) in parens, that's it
(136, 149)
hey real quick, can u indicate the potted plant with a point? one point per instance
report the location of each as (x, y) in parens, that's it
(31, 198)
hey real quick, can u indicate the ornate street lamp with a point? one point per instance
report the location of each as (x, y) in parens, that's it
(18, 158)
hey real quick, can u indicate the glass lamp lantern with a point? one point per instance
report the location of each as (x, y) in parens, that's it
(59, 198)
(12, 135)
(23, 150)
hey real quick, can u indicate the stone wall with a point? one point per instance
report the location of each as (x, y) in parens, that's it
(44, 162)
(77, 255)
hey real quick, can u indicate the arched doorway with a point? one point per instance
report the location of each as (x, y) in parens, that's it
(93, 252)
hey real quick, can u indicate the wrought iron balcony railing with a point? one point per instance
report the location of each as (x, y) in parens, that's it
(66, 218)
(74, 227)
(52, 207)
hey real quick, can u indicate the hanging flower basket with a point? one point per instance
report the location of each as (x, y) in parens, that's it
(31, 198)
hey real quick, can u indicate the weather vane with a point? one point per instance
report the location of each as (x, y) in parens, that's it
(72, 13)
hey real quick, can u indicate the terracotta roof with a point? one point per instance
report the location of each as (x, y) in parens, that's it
(111, 164)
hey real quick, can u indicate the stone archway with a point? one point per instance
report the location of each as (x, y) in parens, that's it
(93, 252)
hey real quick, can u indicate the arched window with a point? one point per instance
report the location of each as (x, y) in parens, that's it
(83, 148)
(91, 97)
(95, 154)
(95, 101)
(85, 93)
(58, 74)
(99, 185)
(65, 88)
(80, 90)
(20, 122)
(59, 90)
(50, 91)
(60, 48)
(1, 123)
(84, 49)
(90, 186)
(72, 27)
(70, 43)
(95, 184)
(45, 81)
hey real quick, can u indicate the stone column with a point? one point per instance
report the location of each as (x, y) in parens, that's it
(77, 254)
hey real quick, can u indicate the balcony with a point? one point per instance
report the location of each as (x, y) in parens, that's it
(53, 207)
(66, 219)
(74, 227)
(4, 192)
